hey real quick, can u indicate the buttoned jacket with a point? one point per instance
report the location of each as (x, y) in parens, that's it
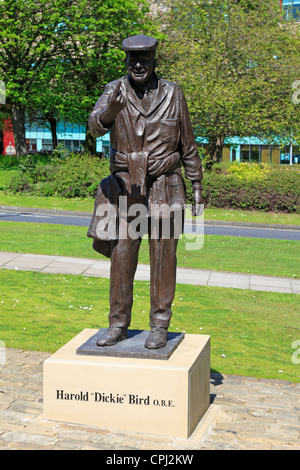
(147, 145)
(163, 130)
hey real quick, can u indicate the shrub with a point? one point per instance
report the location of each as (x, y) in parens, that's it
(254, 187)
(21, 184)
(80, 176)
(249, 171)
(77, 175)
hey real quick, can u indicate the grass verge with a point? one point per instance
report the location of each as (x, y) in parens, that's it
(251, 332)
(53, 202)
(236, 254)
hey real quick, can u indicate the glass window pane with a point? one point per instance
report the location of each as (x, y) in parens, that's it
(254, 155)
(245, 153)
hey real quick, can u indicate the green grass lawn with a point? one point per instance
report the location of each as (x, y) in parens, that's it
(55, 202)
(237, 254)
(251, 332)
(234, 215)
(6, 176)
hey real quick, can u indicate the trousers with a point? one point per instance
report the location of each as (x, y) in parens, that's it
(163, 264)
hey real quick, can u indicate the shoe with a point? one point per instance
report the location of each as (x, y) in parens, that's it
(111, 336)
(157, 338)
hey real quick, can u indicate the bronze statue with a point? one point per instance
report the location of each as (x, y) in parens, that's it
(151, 136)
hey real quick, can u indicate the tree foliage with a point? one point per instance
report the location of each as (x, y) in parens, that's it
(236, 62)
(55, 57)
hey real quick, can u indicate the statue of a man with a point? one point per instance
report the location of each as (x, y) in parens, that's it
(151, 137)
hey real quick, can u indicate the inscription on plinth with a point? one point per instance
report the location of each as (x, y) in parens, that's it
(165, 398)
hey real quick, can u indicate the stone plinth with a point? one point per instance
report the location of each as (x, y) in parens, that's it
(162, 397)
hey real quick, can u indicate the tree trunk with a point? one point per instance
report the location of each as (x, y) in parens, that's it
(90, 142)
(215, 150)
(18, 124)
(53, 127)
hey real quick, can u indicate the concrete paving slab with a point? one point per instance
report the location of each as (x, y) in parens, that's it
(65, 268)
(295, 285)
(70, 259)
(28, 261)
(193, 276)
(6, 256)
(271, 284)
(26, 264)
(270, 281)
(271, 289)
(226, 279)
(295, 289)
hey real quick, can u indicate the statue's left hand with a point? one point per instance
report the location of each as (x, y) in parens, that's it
(198, 205)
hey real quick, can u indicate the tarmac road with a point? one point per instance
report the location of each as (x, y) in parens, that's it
(209, 229)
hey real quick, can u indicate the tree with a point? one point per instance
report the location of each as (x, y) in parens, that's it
(57, 55)
(236, 63)
(98, 57)
(30, 35)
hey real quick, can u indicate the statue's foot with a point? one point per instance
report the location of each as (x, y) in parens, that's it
(111, 336)
(157, 338)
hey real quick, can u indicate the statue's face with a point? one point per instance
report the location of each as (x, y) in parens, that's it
(140, 66)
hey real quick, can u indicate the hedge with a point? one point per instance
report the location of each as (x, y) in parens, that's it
(269, 188)
(77, 175)
(236, 185)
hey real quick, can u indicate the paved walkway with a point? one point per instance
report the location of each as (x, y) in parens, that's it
(101, 268)
(245, 414)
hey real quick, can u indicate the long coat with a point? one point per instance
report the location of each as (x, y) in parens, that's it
(148, 147)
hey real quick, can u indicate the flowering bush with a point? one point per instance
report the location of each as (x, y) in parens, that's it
(254, 187)
(249, 171)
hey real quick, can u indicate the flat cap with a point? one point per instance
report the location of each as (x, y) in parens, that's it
(140, 43)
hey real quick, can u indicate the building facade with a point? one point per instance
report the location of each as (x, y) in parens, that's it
(291, 8)
(72, 136)
(39, 139)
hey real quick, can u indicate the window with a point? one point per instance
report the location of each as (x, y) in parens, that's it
(47, 144)
(285, 155)
(254, 153)
(72, 145)
(245, 153)
(292, 8)
(31, 145)
(296, 10)
(106, 150)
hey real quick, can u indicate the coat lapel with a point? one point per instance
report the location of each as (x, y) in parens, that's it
(160, 95)
(131, 96)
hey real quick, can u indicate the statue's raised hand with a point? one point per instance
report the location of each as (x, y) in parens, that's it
(117, 101)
